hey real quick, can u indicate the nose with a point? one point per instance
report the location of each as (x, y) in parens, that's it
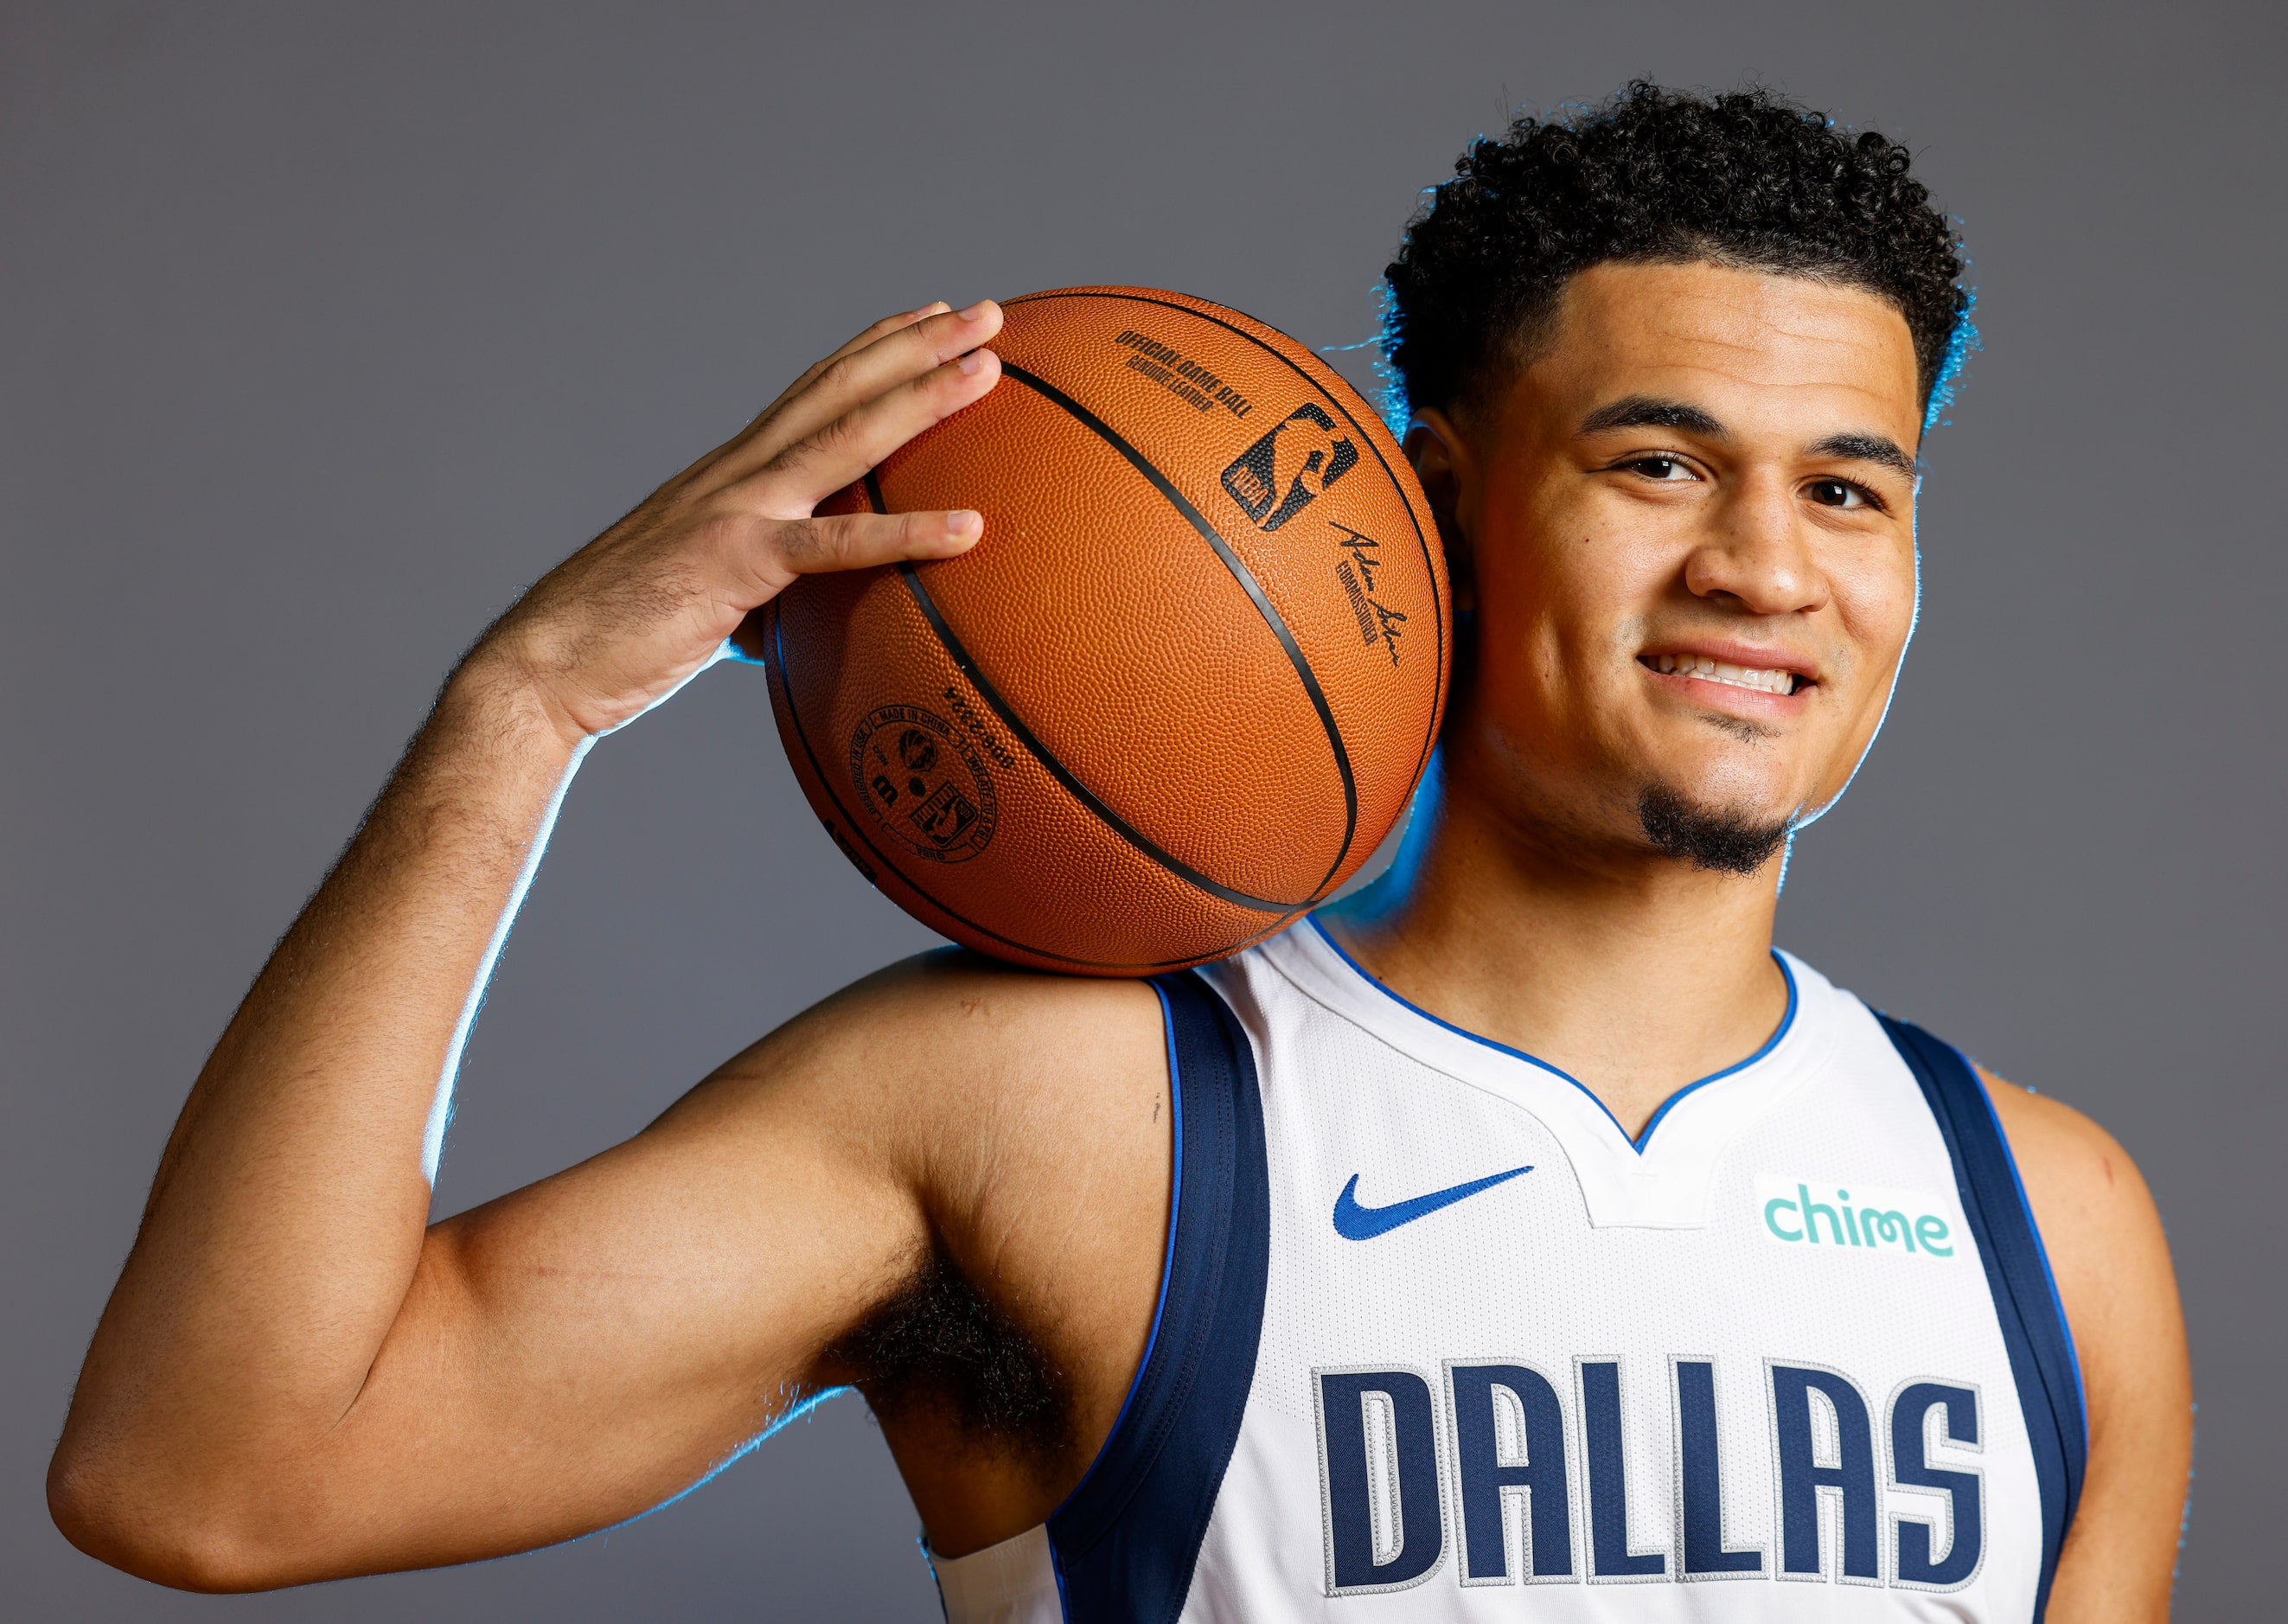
(1756, 555)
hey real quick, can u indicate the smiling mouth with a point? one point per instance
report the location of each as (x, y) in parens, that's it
(1762, 680)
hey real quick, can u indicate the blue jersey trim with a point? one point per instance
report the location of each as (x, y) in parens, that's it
(2043, 1363)
(1787, 1023)
(1168, 1254)
(1124, 1543)
(2042, 1254)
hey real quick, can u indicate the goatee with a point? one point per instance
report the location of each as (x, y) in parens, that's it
(1723, 841)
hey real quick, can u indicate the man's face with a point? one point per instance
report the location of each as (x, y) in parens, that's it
(1689, 533)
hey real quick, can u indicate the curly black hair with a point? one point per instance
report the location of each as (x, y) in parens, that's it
(1654, 176)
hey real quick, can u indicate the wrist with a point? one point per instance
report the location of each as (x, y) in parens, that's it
(481, 774)
(495, 695)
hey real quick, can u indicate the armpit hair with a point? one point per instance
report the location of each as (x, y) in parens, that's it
(939, 1351)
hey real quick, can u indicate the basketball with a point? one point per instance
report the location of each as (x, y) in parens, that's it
(1183, 686)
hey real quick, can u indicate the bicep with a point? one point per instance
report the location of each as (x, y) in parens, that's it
(2111, 1261)
(577, 1351)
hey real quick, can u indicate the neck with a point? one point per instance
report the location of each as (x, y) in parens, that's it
(1634, 973)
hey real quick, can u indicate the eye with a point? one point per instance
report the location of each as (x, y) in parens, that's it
(1662, 470)
(1840, 493)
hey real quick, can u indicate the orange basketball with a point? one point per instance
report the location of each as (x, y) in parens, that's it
(1182, 687)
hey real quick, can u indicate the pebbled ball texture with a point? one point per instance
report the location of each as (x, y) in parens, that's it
(1184, 685)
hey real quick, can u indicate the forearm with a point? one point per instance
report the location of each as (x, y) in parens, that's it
(287, 1216)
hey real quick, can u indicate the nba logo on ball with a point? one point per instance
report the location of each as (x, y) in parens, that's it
(1300, 458)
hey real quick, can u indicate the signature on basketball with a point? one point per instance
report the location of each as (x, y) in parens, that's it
(1358, 556)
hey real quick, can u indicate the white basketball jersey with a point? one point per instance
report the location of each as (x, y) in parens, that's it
(1435, 1328)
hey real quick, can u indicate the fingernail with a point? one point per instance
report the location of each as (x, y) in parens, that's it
(963, 520)
(932, 308)
(971, 362)
(976, 312)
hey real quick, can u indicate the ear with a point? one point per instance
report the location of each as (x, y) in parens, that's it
(1442, 462)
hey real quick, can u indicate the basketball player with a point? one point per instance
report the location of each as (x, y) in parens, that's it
(1526, 1220)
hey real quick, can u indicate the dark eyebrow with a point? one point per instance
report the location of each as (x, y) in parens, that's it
(1879, 448)
(1648, 411)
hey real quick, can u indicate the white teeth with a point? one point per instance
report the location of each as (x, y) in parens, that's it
(1732, 676)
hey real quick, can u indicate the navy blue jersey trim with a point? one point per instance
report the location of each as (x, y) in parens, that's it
(1124, 1543)
(1168, 1254)
(1786, 1025)
(2042, 1361)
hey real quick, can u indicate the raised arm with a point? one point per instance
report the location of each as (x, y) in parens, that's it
(294, 1378)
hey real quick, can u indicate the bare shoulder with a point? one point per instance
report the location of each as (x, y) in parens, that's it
(2098, 1222)
(2103, 1236)
(1021, 1118)
(944, 1038)
(949, 1103)
(986, 1011)
(2087, 1195)
(1020, 1123)
(1015, 1102)
(985, 1015)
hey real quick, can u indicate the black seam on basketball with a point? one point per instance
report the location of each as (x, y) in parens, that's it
(1063, 774)
(825, 782)
(1438, 680)
(1438, 684)
(961, 656)
(1240, 572)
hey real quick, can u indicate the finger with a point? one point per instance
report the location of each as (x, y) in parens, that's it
(860, 541)
(883, 329)
(708, 473)
(862, 372)
(895, 359)
(807, 473)
(880, 330)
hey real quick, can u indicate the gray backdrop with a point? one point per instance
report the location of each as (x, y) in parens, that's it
(325, 329)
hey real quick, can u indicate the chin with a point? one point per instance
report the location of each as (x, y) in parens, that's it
(1710, 833)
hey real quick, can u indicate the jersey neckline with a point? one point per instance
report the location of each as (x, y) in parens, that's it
(1636, 1142)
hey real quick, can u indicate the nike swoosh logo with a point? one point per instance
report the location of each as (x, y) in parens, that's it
(1356, 1222)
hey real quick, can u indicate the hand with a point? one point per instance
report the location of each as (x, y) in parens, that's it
(618, 625)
